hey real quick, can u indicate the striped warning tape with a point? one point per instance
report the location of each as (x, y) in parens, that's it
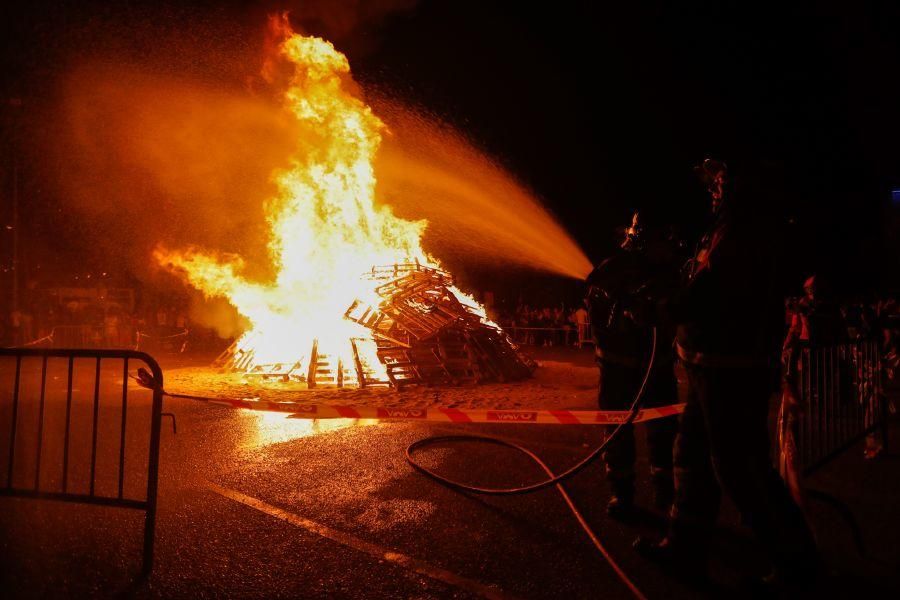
(299, 410)
(452, 415)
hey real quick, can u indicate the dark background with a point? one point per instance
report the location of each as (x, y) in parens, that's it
(599, 107)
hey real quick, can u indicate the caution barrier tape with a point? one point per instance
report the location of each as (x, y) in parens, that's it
(181, 333)
(453, 415)
(300, 410)
(46, 338)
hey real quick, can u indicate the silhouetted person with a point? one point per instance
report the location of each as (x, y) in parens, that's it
(817, 321)
(729, 317)
(625, 290)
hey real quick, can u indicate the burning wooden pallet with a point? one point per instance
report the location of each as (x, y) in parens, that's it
(426, 335)
(423, 335)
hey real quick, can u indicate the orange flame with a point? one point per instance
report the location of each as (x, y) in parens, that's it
(325, 226)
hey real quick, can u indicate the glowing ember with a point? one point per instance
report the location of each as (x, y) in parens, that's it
(326, 228)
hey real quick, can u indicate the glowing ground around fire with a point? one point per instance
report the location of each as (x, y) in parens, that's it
(555, 385)
(569, 381)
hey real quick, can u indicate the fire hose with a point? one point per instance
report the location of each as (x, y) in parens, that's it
(553, 479)
(144, 379)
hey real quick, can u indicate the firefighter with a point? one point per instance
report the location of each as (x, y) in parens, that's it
(624, 293)
(729, 318)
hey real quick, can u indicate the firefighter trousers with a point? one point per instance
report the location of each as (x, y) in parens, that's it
(618, 386)
(723, 445)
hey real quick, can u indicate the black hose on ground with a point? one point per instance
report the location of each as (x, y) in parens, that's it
(553, 479)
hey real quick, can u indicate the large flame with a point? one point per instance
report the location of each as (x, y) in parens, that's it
(326, 228)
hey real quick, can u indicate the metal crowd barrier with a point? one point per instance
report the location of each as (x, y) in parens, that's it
(85, 336)
(173, 342)
(526, 335)
(26, 361)
(841, 395)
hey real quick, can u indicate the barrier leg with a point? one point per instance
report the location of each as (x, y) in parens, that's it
(152, 483)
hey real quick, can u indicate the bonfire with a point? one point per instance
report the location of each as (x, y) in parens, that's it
(355, 300)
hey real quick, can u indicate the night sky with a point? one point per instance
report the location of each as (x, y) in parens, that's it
(601, 108)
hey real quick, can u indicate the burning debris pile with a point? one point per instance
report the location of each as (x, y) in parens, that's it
(423, 334)
(407, 323)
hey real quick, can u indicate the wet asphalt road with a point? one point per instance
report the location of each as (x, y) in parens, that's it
(259, 506)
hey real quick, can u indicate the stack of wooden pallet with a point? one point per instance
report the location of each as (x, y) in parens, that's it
(426, 335)
(423, 333)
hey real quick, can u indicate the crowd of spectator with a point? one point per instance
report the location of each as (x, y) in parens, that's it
(547, 326)
(816, 313)
(106, 321)
(95, 318)
(856, 319)
(815, 319)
